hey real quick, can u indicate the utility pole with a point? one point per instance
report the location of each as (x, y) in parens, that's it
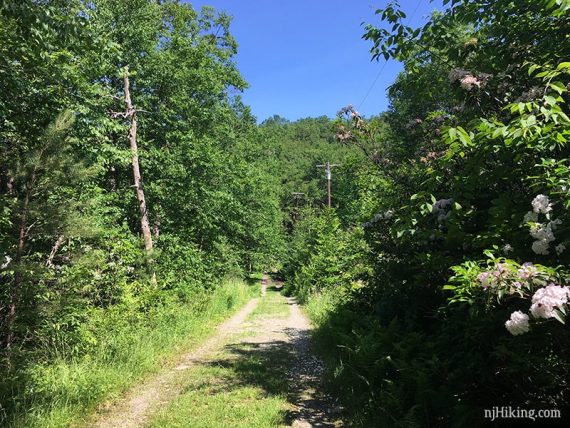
(328, 173)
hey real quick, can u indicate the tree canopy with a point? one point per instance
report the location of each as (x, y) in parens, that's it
(134, 180)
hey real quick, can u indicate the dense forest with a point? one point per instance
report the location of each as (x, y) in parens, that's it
(139, 195)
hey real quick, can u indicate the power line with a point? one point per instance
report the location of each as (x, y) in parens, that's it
(372, 85)
(384, 65)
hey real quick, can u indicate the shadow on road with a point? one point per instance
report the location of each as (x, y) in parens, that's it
(283, 368)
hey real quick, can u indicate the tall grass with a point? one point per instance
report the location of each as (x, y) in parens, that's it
(126, 346)
(321, 304)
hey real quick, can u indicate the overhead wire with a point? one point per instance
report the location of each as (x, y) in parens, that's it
(385, 63)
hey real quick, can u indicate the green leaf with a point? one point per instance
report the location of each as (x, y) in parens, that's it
(558, 87)
(464, 136)
(550, 100)
(532, 68)
(559, 316)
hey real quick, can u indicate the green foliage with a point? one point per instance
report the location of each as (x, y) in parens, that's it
(331, 258)
(471, 155)
(293, 150)
(501, 280)
(475, 140)
(124, 343)
(71, 256)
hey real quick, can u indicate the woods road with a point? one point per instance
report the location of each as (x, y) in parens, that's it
(285, 334)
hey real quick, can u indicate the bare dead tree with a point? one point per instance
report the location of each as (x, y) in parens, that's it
(131, 114)
(54, 250)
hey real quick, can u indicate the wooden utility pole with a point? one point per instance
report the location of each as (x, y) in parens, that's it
(328, 173)
(131, 113)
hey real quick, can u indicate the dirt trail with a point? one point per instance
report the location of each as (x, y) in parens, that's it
(285, 335)
(313, 407)
(135, 408)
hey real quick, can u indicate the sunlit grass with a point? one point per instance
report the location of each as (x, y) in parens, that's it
(63, 390)
(215, 397)
(273, 305)
(244, 386)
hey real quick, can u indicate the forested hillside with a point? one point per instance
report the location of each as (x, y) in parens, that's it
(139, 196)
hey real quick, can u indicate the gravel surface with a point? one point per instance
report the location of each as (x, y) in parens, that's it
(314, 407)
(290, 335)
(134, 409)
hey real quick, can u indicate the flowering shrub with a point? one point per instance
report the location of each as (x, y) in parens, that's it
(474, 154)
(518, 324)
(542, 232)
(550, 302)
(442, 208)
(499, 279)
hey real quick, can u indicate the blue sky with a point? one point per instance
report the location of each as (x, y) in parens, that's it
(306, 58)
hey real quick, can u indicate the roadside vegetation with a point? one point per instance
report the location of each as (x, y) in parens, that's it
(126, 346)
(439, 281)
(132, 189)
(138, 193)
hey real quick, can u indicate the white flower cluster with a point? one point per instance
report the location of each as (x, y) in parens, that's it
(541, 232)
(547, 299)
(527, 271)
(501, 273)
(541, 204)
(518, 324)
(545, 302)
(486, 279)
(7, 260)
(544, 235)
(491, 279)
(540, 247)
(442, 208)
(469, 81)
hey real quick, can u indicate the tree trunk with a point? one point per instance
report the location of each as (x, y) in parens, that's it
(15, 288)
(132, 114)
(54, 250)
(10, 185)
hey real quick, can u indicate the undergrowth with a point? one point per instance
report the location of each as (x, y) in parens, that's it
(60, 387)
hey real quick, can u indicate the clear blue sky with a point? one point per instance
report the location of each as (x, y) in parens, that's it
(306, 58)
